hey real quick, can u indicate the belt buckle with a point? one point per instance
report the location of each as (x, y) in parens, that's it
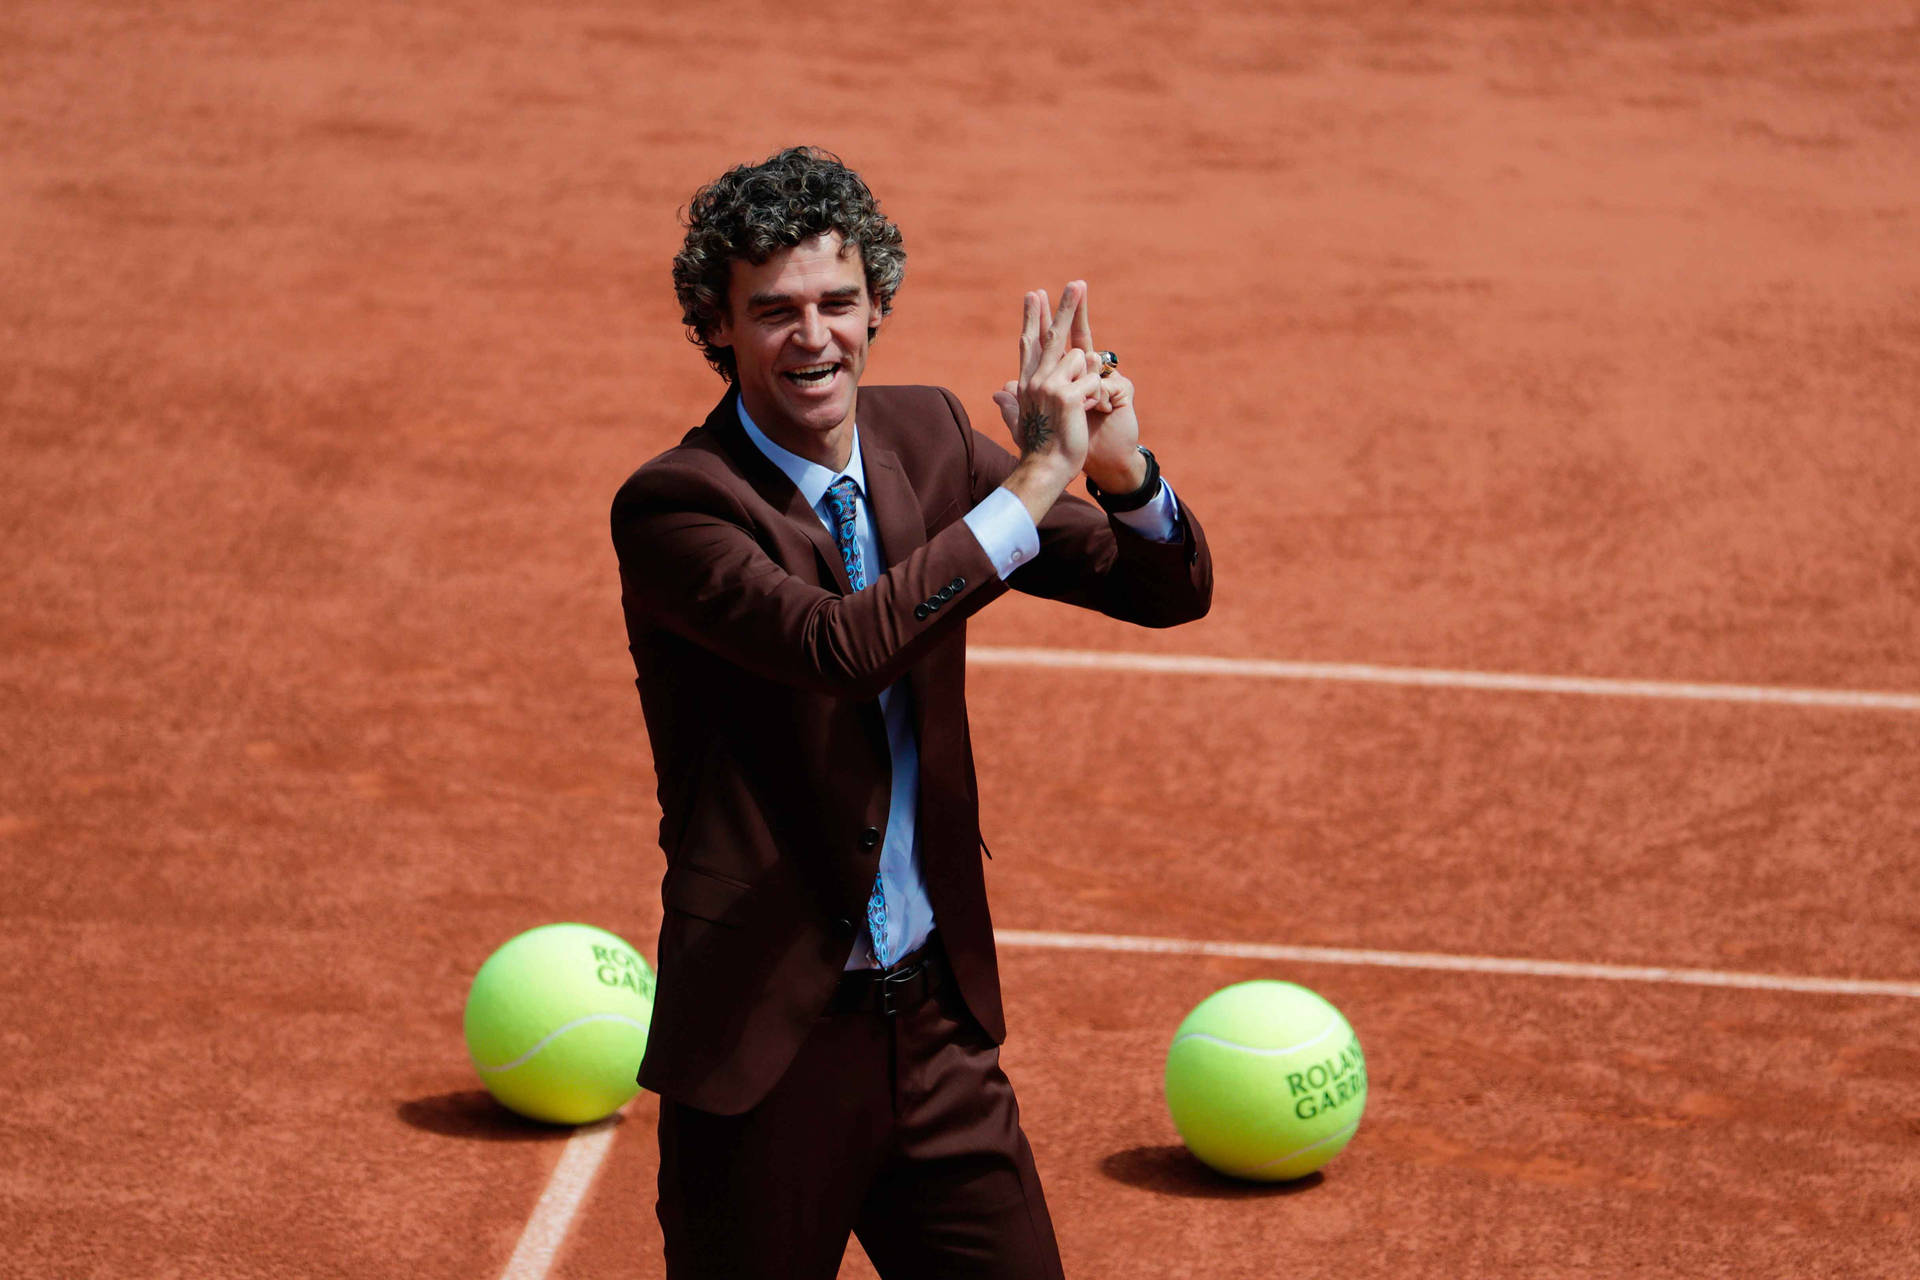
(898, 978)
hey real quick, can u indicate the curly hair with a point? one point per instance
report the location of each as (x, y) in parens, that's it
(754, 211)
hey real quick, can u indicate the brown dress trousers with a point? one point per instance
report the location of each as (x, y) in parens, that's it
(901, 1129)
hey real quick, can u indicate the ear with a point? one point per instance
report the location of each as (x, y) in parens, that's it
(720, 334)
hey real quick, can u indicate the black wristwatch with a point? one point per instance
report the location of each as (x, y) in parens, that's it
(1116, 503)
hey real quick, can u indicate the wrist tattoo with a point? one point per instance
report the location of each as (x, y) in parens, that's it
(1036, 429)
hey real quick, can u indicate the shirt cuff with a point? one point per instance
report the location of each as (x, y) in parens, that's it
(1005, 531)
(1159, 520)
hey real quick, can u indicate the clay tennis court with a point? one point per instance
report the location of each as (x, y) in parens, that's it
(1572, 342)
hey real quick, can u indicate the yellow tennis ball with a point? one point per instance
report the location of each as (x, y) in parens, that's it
(1266, 1081)
(557, 1022)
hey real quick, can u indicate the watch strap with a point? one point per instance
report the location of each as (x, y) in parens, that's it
(1118, 503)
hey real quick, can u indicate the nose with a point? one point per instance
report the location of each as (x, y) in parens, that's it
(812, 333)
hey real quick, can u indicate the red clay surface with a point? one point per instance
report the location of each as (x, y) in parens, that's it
(1575, 339)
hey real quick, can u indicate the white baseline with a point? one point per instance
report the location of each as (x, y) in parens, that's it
(1456, 964)
(1438, 678)
(546, 1230)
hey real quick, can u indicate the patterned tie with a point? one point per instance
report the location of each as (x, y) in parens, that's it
(841, 496)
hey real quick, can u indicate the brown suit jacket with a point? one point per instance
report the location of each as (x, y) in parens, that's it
(759, 673)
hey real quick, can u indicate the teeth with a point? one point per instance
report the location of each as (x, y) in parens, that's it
(812, 372)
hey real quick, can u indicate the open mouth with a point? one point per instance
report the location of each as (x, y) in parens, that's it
(813, 375)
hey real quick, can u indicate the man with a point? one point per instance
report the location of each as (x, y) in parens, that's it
(796, 575)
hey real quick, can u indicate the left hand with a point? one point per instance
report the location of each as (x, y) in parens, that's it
(1113, 432)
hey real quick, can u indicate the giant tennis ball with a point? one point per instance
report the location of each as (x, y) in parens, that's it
(557, 1022)
(1266, 1081)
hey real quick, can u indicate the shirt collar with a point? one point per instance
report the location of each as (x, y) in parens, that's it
(809, 477)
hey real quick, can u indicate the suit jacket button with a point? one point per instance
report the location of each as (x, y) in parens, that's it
(958, 584)
(870, 837)
(842, 927)
(921, 611)
(933, 602)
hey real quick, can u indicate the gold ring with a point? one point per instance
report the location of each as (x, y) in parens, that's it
(1108, 362)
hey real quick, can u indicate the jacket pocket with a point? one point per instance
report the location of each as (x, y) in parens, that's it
(702, 894)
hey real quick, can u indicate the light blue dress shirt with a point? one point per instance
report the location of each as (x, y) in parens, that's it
(1007, 534)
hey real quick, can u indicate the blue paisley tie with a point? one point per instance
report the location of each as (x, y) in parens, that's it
(841, 496)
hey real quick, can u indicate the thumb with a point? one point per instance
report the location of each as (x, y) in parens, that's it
(1009, 404)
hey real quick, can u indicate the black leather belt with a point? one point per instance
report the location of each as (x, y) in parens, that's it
(888, 991)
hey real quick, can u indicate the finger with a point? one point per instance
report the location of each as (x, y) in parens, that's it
(1087, 383)
(1030, 331)
(1083, 321)
(1062, 321)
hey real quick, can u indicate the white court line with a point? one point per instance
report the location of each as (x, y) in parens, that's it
(1456, 964)
(1433, 677)
(553, 1214)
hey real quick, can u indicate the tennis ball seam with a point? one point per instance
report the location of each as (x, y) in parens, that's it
(556, 1033)
(1210, 1038)
(1295, 1155)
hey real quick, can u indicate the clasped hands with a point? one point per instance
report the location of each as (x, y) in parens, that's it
(1060, 411)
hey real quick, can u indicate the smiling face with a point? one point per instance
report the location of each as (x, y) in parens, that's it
(799, 325)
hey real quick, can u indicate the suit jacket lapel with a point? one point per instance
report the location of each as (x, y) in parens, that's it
(902, 529)
(896, 509)
(772, 485)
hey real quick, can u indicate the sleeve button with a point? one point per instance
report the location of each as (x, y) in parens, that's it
(921, 611)
(869, 837)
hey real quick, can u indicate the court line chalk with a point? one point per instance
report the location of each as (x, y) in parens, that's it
(1458, 964)
(1438, 678)
(546, 1230)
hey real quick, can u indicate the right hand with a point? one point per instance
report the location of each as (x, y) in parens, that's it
(1045, 409)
